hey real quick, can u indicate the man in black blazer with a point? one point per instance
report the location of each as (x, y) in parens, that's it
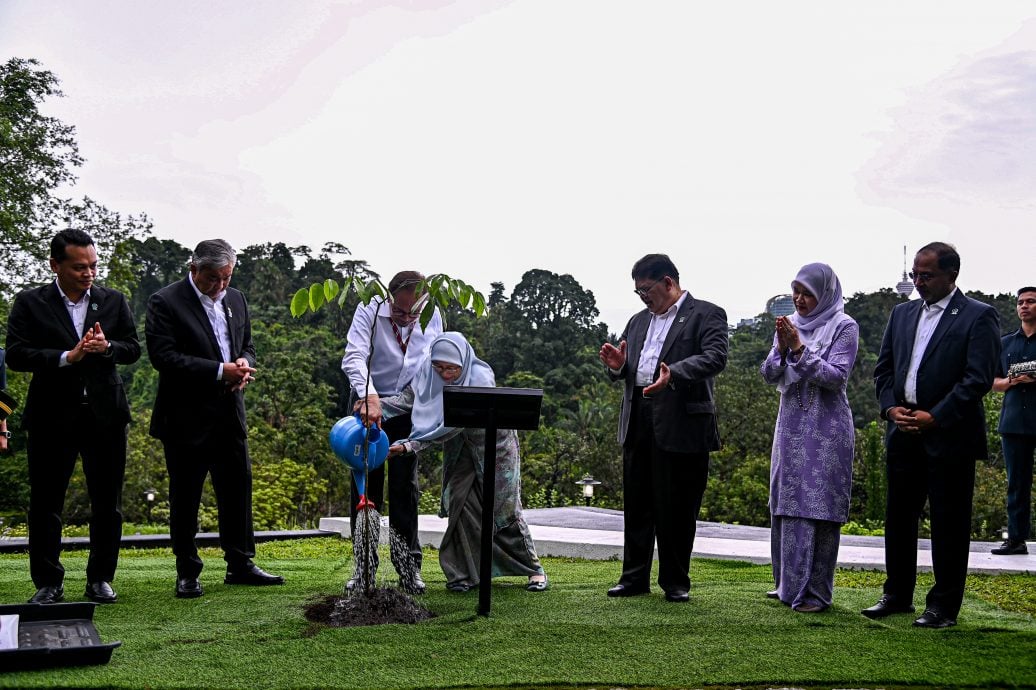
(937, 360)
(199, 338)
(70, 334)
(667, 357)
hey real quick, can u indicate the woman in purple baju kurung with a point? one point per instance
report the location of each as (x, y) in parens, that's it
(811, 464)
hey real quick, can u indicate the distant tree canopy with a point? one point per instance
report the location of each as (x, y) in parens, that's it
(39, 155)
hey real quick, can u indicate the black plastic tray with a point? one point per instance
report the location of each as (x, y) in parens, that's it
(52, 635)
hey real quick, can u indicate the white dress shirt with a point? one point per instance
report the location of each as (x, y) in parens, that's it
(930, 315)
(390, 369)
(77, 312)
(217, 320)
(657, 331)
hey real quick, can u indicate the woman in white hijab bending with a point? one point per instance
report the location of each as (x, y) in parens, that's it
(452, 361)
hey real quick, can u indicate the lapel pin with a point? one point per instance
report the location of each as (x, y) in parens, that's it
(682, 319)
(94, 306)
(230, 313)
(954, 311)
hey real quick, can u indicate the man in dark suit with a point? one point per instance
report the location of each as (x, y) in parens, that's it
(667, 357)
(936, 362)
(199, 338)
(70, 334)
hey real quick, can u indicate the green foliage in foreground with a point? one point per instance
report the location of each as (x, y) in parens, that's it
(245, 637)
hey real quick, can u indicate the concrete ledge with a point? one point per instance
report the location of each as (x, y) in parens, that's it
(751, 544)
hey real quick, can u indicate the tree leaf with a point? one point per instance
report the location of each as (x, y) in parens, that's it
(330, 289)
(300, 302)
(465, 296)
(426, 315)
(316, 296)
(480, 304)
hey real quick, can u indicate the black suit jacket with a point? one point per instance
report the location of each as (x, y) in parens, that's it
(40, 329)
(695, 351)
(955, 372)
(191, 404)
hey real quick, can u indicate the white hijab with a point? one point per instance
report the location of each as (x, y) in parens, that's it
(452, 348)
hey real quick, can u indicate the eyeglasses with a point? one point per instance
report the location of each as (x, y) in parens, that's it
(447, 368)
(642, 291)
(923, 277)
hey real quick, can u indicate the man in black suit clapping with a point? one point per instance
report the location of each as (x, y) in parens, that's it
(70, 334)
(199, 338)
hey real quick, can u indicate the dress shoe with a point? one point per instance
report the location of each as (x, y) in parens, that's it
(809, 608)
(188, 588)
(460, 587)
(537, 585)
(886, 606)
(1011, 547)
(773, 594)
(415, 585)
(101, 592)
(621, 590)
(48, 595)
(679, 596)
(251, 574)
(934, 619)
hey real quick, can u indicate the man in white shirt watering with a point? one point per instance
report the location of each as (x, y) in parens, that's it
(384, 345)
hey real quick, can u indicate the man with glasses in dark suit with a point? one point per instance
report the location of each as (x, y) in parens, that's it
(199, 339)
(668, 358)
(936, 362)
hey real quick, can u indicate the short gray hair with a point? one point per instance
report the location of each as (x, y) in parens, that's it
(213, 254)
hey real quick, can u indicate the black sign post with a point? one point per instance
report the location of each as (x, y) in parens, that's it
(490, 409)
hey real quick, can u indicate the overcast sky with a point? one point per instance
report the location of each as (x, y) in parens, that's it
(483, 139)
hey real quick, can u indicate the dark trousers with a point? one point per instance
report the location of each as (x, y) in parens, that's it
(52, 458)
(662, 496)
(1019, 453)
(948, 483)
(226, 460)
(403, 491)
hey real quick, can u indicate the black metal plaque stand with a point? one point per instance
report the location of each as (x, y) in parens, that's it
(491, 409)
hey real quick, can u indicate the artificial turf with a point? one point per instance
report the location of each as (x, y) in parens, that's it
(571, 635)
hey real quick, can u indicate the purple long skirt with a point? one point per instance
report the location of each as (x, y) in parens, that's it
(804, 554)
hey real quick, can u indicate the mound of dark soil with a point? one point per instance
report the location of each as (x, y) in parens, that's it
(388, 605)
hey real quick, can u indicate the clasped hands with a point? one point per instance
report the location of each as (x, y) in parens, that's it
(238, 374)
(787, 335)
(910, 421)
(615, 357)
(92, 343)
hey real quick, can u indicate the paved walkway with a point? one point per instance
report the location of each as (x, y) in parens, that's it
(596, 533)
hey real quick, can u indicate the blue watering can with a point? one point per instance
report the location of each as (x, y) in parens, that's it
(347, 439)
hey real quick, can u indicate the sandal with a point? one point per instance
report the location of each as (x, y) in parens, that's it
(537, 585)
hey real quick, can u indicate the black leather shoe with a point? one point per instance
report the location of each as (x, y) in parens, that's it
(934, 619)
(48, 595)
(188, 588)
(678, 596)
(621, 590)
(1011, 547)
(252, 575)
(101, 592)
(886, 606)
(417, 585)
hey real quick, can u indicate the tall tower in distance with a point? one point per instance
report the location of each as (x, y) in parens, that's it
(905, 286)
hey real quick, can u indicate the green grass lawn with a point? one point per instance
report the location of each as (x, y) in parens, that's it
(572, 635)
